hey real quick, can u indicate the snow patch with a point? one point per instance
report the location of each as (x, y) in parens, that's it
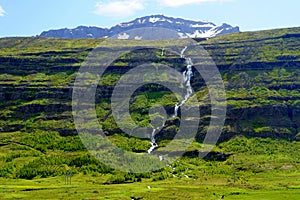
(125, 24)
(154, 19)
(140, 21)
(138, 37)
(205, 34)
(102, 27)
(202, 26)
(166, 20)
(123, 36)
(182, 35)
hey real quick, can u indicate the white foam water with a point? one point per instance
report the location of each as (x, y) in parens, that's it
(187, 76)
(153, 142)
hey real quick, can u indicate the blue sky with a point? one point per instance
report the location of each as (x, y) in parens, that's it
(31, 17)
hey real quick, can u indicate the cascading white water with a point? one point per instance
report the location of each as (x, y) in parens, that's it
(182, 52)
(187, 76)
(176, 110)
(153, 142)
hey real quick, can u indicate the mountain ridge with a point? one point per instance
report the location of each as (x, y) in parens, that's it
(185, 28)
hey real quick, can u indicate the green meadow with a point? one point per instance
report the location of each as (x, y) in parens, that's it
(256, 157)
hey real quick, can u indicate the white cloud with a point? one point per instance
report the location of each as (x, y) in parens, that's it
(2, 12)
(123, 8)
(177, 3)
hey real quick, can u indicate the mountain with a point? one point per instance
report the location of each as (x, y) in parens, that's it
(184, 28)
(254, 158)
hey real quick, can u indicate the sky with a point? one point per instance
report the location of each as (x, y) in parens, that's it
(31, 17)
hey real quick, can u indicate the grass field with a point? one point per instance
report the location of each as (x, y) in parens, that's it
(264, 169)
(267, 186)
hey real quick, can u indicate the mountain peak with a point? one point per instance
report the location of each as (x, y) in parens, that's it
(185, 28)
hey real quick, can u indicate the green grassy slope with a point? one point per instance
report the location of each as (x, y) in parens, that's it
(38, 137)
(262, 74)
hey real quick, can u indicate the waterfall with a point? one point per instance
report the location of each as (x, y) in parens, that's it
(176, 110)
(182, 52)
(153, 142)
(187, 76)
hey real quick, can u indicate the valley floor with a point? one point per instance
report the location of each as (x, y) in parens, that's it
(266, 185)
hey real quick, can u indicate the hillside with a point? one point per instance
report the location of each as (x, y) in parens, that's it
(261, 73)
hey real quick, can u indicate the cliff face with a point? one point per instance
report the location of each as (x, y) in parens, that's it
(261, 75)
(275, 121)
